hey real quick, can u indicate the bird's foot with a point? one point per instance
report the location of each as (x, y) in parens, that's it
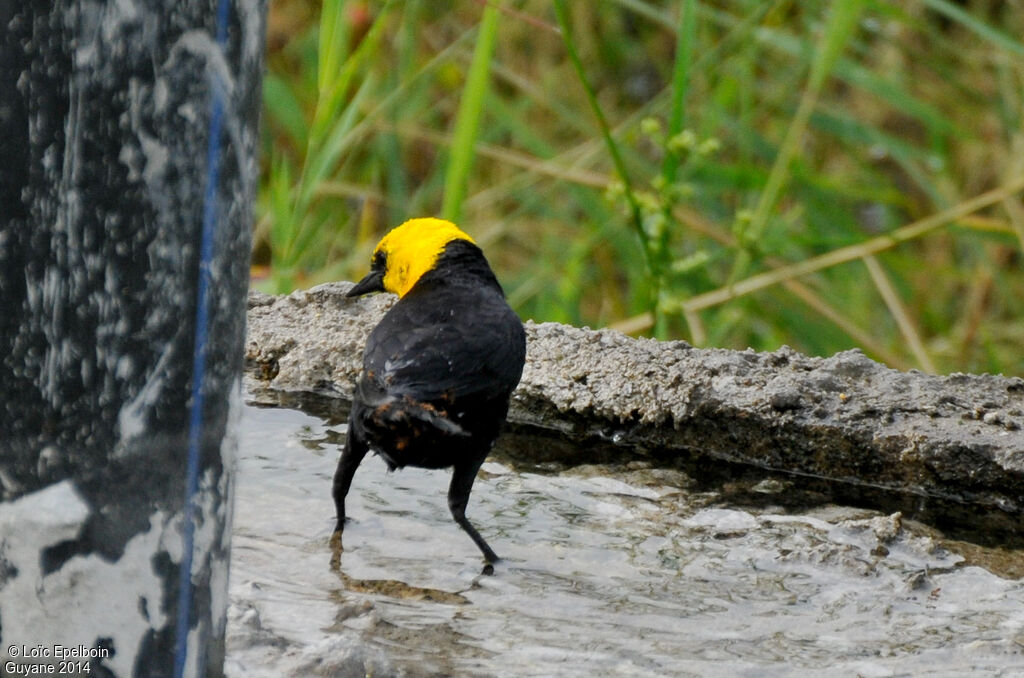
(489, 561)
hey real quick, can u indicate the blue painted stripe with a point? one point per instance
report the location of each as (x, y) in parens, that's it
(202, 321)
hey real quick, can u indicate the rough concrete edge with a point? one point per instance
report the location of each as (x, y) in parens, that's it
(844, 418)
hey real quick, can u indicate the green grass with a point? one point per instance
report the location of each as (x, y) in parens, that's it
(750, 173)
(467, 120)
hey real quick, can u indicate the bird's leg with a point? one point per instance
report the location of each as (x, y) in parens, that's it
(351, 456)
(458, 496)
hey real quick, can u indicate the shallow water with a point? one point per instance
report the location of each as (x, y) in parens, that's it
(605, 572)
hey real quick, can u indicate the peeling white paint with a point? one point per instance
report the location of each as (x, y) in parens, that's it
(41, 519)
(88, 596)
(202, 44)
(220, 567)
(131, 419)
(251, 19)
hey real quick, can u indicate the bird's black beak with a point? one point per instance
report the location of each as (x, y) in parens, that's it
(373, 282)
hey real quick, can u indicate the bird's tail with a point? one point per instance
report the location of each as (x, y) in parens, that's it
(402, 412)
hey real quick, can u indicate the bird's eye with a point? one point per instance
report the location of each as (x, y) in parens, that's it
(379, 261)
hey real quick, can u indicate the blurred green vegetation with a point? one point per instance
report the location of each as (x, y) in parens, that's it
(736, 173)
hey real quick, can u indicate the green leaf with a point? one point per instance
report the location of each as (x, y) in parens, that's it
(467, 120)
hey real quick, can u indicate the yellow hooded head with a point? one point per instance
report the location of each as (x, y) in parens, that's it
(406, 253)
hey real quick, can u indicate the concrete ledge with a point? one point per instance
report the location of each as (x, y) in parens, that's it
(844, 418)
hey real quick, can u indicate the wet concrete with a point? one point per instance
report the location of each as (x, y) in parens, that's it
(844, 419)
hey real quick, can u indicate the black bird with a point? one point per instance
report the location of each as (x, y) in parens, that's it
(440, 366)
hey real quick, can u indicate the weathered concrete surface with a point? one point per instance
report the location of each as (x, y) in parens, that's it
(844, 418)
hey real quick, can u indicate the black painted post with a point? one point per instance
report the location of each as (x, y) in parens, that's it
(128, 139)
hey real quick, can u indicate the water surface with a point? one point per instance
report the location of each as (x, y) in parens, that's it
(606, 571)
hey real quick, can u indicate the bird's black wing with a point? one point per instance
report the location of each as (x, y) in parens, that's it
(449, 344)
